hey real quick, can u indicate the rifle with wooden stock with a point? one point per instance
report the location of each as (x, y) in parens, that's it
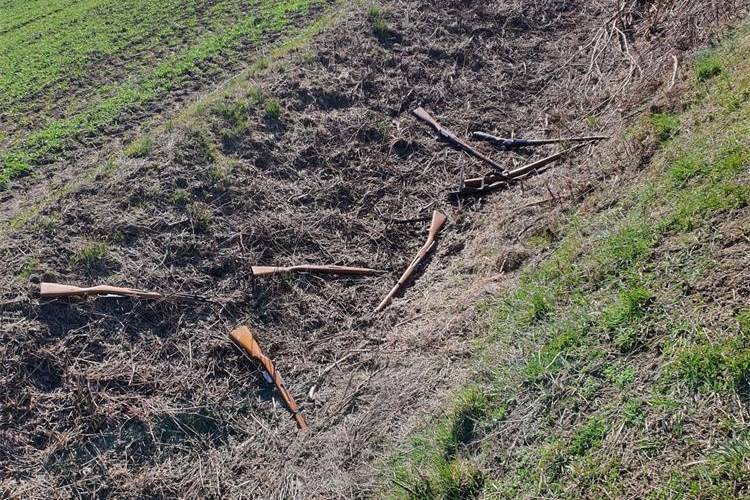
(449, 136)
(54, 290)
(492, 182)
(438, 219)
(244, 338)
(268, 271)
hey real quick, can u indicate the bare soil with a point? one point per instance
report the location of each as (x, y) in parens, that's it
(112, 397)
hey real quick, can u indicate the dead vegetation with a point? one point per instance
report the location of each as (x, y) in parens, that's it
(319, 161)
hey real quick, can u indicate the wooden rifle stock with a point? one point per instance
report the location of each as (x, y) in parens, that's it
(438, 219)
(245, 339)
(268, 271)
(54, 290)
(449, 136)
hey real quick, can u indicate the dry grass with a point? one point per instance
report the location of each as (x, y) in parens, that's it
(112, 397)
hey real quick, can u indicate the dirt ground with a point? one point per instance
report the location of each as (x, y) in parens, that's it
(113, 397)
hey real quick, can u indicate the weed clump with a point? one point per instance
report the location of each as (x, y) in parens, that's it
(548, 360)
(537, 305)
(139, 148)
(30, 267)
(91, 256)
(180, 198)
(633, 412)
(201, 217)
(377, 17)
(743, 318)
(619, 375)
(589, 436)
(620, 319)
(630, 244)
(234, 116)
(195, 147)
(693, 207)
(272, 109)
(470, 410)
(665, 125)
(717, 368)
(708, 67)
(256, 96)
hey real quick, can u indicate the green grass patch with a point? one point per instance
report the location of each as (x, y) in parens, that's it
(665, 125)
(29, 268)
(201, 217)
(694, 207)
(714, 477)
(554, 354)
(234, 117)
(256, 96)
(621, 375)
(621, 319)
(379, 22)
(180, 198)
(272, 109)
(630, 244)
(434, 466)
(140, 148)
(455, 480)
(588, 436)
(713, 368)
(91, 256)
(708, 66)
(469, 412)
(633, 412)
(743, 319)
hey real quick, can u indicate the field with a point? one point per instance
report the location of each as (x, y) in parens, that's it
(581, 332)
(72, 70)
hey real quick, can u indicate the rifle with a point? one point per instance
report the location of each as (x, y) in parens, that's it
(244, 338)
(446, 134)
(53, 290)
(504, 143)
(268, 271)
(438, 219)
(491, 182)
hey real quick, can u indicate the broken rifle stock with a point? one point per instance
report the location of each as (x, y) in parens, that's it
(506, 143)
(268, 271)
(449, 136)
(438, 219)
(244, 338)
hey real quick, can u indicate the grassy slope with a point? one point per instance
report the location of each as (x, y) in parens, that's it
(42, 57)
(619, 366)
(143, 143)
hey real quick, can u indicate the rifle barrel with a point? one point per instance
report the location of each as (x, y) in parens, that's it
(507, 143)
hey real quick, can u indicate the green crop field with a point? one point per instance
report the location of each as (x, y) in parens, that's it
(70, 69)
